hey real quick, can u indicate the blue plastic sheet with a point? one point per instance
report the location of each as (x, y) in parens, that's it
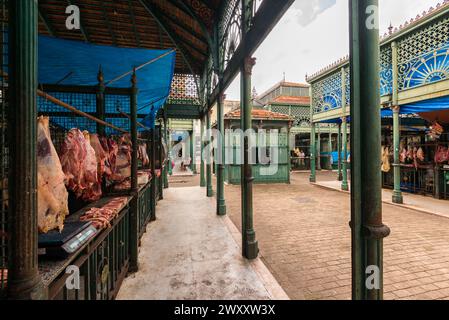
(432, 105)
(68, 62)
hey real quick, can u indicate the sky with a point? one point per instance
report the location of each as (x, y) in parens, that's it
(313, 34)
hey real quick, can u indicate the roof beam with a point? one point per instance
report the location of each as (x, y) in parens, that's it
(149, 7)
(189, 11)
(108, 23)
(185, 27)
(82, 27)
(133, 20)
(46, 21)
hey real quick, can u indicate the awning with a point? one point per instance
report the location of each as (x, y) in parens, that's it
(68, 62)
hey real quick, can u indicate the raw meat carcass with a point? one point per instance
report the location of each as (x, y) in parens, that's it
(52, 195)
(386, 167)
(442, 155)
(403, 156)
(143, 154)
(420, 155)
(79, 162)
(122, 168)
(100, 154)
(111, 150)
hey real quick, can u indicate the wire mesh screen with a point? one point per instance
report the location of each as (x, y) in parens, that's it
(61, 118)
(3, 147)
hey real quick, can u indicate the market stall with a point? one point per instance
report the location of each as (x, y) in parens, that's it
(99, 158)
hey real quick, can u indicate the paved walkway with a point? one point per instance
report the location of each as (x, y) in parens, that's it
(189, 253)
(420, 203)
(305, 241)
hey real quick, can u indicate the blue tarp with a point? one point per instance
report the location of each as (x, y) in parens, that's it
(432, 105)
(68, 62)
(335, 121)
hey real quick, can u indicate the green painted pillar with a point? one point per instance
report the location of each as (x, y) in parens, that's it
(210, 191)
(318, 149)
(221, 202)
(24, 281)
(191, 149)
(169, 150)
(167, 163)
(153, 175)
(368, 231)
(313, 153)
(134, 221)
(330, 149)
(340, 173)
(202, 168)
(345, 184)
(397, 194)
(250, 245)
(161, 163)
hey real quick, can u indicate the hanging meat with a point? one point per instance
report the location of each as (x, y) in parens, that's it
(420, 155)
(143, 154)
(52, 195)
(386, 167)
(79, 162)
(94, 158)
(122, 168)
(100, 154)
(111, 151)
(442, 155)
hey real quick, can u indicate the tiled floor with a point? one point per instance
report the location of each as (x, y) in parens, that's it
(304, 236)
(189, 253)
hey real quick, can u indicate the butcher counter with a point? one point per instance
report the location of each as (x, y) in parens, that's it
(104, 261)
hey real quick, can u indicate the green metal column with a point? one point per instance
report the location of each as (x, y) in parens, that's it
(193, 151)
(368, 231)
(313, 153)
(340, 173)
(153, 174)
(134, 221)
(312, 140)
(318, 149)
(169, 151)
(250, 245)
(167, 163)
(23, 279)
(221, 202)
(210, 191)
(161, 163)
(330, 148)
(345, 184)
(202, 168)
(397, 194)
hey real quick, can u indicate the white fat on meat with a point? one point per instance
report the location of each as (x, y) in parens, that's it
(51, 192)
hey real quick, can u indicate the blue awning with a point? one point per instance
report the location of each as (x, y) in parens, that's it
(432, 105)
(69, 62)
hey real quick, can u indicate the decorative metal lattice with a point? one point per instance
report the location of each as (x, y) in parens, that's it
(430, 68)
(4, 154)
(327, 93)
(232, 35)
(281, 109)
(184, 89)
(415, 55)
(348, 86)
(386, 71)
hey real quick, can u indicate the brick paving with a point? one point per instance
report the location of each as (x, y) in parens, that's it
(304, 237)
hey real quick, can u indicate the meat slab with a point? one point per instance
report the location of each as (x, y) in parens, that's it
(79, 163)
(52, 195)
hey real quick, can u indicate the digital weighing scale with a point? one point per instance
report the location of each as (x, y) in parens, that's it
(57, 244)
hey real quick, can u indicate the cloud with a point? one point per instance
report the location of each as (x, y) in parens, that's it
(308, 10)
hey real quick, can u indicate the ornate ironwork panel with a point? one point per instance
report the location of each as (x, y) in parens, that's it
(386, 70)
(327, 93)
(423, 55)
(347, 86)
(184, 90)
